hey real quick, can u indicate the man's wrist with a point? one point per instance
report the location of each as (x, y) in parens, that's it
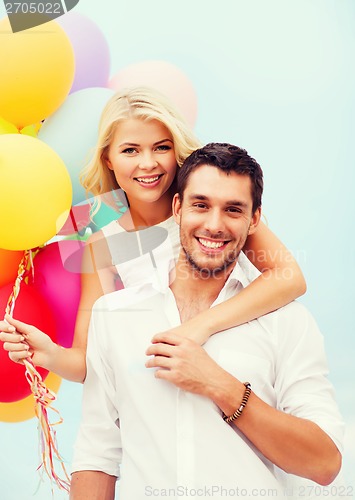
(239, 411)
(226, 392)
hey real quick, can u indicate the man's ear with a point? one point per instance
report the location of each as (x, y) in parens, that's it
(254, 221)
(176, 208)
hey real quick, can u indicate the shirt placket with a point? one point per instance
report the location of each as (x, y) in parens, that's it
(185, 439)
(185, 449)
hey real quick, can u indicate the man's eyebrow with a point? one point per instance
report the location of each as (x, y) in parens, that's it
(237, 203)
(202, 197)
(198, 197)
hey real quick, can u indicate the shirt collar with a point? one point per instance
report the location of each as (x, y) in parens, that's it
(159, 281)
(237, 280)
(244, 272)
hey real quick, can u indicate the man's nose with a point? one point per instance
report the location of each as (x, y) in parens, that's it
(214, 221)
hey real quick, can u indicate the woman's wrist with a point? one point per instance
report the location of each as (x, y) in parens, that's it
(203, 323)
(51, 355)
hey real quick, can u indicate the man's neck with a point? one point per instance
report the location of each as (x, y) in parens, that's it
(195, 292)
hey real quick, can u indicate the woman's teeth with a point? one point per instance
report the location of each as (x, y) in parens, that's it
(147, 180)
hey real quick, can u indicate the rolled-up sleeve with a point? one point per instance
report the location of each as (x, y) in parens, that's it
(98, 444)
(302, 383)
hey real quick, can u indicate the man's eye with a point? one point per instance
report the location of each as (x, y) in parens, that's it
(234, 210)
(200, 205)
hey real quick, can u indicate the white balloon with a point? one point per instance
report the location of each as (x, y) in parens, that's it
(72, 131)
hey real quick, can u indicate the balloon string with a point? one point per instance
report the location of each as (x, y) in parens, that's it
(42, 395)
(22, 270)
(72, 217)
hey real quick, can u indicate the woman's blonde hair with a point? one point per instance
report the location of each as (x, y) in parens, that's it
(141, 103)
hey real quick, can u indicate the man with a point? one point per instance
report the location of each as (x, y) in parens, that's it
(239, 416)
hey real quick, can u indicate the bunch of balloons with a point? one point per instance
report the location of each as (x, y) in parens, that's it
(54, 82)
(36, 75)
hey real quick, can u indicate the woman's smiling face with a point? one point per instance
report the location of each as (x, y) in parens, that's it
(142, 157)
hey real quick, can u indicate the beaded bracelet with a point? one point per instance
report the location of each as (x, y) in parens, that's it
(243, 404)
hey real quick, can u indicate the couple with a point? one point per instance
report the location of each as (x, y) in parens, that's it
(251, 413)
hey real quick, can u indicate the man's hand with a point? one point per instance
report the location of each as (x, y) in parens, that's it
(185, 364)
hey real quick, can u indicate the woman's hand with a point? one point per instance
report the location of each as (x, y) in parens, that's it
(22, 341)
(193, 330)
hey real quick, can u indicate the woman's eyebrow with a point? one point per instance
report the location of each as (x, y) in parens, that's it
(128, 144)
(163, 140)
(136, 144)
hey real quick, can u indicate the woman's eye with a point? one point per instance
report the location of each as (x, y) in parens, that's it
(129, 151)
(163, 147)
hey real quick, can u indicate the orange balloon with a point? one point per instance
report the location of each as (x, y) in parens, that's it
(9, 262)
(22, 410)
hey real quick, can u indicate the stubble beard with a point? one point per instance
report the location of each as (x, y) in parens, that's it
(208, 271)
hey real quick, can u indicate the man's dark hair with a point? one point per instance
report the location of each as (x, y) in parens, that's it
(227, 158)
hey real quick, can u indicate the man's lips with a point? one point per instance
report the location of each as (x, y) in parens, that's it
(214, 245)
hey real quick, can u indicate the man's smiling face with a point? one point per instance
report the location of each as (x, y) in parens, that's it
(215, 218)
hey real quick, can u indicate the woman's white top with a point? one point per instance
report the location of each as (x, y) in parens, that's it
(138, 255)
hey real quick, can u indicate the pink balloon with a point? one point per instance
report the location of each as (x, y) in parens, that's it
(91, 50)
(59, 287)
(166, 78)
(78, 219)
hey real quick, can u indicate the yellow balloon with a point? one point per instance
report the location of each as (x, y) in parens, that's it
(22, 410)
(36, 72)
(29, 130)
(7, 127)
(35, 192)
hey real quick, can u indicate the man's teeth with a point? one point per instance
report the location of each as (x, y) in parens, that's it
(147, 180)
(211, 244)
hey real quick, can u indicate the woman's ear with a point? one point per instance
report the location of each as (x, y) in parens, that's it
(254, 221)
(108, 163)
(177, 208)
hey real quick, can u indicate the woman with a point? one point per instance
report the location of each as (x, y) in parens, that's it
(142, 141)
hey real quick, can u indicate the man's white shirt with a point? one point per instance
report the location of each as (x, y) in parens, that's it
(165, 442)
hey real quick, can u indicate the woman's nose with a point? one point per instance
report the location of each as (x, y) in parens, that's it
(148, 161)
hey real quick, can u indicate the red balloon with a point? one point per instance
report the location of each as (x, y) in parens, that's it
(32, 308)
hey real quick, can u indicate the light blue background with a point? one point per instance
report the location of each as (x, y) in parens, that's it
(277, 78)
